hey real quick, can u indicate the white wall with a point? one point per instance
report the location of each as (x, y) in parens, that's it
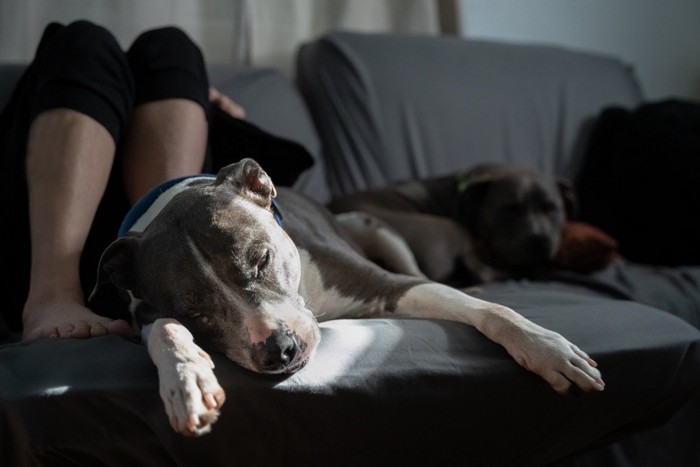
(659, 38)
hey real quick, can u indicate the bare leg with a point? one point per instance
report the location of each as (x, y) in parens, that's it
(69, 158)
(166, 139)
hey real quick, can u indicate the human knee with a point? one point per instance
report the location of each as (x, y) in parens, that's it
(167, 42)
(168, 36)
(84, 39)
(82, 67)
(83, 54)
(165, 64)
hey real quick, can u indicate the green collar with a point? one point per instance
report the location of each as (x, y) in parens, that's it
(462, 182)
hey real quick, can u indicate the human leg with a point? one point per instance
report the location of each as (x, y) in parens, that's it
(69, 159)
(84, 73)
(167, 139)
(58, 136)
(168, 132)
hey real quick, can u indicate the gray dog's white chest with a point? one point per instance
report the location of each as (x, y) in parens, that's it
(318, 295)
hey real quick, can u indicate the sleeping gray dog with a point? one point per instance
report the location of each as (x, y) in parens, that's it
(215, 263)
(491, 222)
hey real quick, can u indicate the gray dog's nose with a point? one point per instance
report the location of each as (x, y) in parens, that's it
(277, 352)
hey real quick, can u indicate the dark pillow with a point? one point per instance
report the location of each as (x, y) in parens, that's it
(232, 139)
(640, 181)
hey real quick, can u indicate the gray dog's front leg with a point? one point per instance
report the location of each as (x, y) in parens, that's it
(188, 387)
(539, 350)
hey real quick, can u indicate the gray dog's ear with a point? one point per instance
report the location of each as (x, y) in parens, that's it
(117, 265)
(568, 196)
(250, 180)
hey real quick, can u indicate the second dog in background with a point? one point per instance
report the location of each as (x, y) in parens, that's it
(493, 221)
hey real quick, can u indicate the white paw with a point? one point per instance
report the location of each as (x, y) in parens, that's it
(548, 354)
(563, 365)
(188, 387)
(190, 392)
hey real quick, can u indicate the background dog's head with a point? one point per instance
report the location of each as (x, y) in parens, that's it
(514, 214)
(216, 260)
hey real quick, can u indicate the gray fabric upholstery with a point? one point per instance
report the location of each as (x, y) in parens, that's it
(394, 107)
(378, 392)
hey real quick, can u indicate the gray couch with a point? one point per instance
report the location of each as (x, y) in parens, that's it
(372, 109)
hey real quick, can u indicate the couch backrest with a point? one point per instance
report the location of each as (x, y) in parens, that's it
(392, 107)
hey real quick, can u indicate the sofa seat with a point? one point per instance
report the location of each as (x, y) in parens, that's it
(378, 392)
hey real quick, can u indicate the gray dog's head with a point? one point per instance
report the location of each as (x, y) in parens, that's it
(515, 214)
(216, 260)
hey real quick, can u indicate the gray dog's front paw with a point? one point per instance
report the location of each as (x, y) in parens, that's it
(188, 387)
(191, 394)
(546, 353)
(558, 361)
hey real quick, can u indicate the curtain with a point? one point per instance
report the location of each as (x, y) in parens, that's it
(253, 32)
(213, 24)
(278, 27)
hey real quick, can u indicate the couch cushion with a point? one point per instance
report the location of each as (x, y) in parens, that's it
(378, 392)
(391, 107)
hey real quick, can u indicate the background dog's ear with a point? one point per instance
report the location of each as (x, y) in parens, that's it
(568, 196)
(250, 180)
(117, 265)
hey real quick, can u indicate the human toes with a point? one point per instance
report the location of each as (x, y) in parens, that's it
(46, 332)
(73, 329)
(119, 327)
(81, 329)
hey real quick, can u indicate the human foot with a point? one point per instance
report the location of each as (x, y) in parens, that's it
(68, 319)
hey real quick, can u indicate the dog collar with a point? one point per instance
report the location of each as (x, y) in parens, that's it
(276, 212)
(147, 208)
(462, 182)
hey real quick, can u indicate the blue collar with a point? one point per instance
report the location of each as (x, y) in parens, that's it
(276, 213)
(151, 202)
